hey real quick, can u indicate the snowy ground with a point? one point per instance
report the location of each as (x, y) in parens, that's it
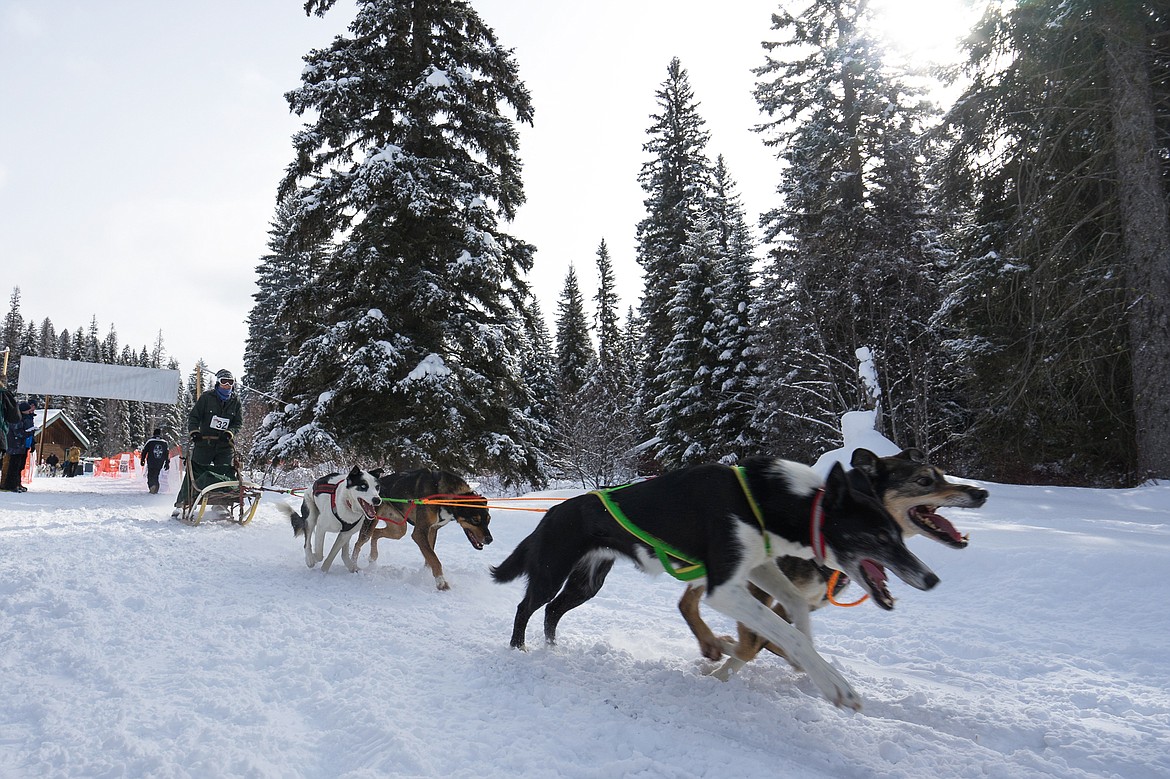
(132, 645)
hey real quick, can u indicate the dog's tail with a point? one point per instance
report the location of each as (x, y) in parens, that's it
(297, 518)
(514, 565)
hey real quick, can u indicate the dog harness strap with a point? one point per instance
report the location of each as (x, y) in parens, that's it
(693, 570)
(330, 489)
(815, 520)
(747, 493)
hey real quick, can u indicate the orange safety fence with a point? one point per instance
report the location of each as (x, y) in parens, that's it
(118, 465)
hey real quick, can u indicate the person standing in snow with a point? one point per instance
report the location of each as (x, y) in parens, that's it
(72, 460)
(212, 425)
(156, 458)
(20, 444)
(52, 460)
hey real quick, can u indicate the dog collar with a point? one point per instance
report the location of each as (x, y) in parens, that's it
(815, 520)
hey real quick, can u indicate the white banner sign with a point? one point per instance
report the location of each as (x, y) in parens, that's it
(42, 376)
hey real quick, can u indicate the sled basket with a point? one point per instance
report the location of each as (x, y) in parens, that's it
(231, 497)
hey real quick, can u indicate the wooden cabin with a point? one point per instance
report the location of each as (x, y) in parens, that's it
(60, 433)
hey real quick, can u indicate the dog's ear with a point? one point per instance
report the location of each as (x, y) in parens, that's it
(866, 461)
(836, 488)
(913, 455)
(377, 472)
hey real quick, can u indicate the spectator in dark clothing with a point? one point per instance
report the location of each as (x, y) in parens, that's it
(20, 444)
(52, 461)
(156, 458)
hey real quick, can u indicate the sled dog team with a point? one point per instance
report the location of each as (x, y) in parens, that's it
(759, 542)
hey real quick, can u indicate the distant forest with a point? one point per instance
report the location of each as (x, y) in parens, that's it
(112, 426)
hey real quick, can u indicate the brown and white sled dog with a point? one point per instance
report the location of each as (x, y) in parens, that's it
(398, 509)
(911, 490)
(336, 503)
(706, 514)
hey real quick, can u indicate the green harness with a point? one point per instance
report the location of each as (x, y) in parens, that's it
(689, 568)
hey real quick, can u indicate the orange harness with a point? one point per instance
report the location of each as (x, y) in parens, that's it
(466, 499)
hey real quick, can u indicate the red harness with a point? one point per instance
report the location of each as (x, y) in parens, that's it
(815, 520)
(330, 489)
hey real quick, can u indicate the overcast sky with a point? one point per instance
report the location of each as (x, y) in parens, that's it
(141, 142)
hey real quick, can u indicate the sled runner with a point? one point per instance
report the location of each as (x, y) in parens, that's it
(230, 496)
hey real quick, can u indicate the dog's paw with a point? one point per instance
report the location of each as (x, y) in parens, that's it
(722, 673)
(713, 648)
(850, 700)
(730, 667)
(441, 583)
(839, 692)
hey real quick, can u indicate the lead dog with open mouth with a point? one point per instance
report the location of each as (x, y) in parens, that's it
(728, 526)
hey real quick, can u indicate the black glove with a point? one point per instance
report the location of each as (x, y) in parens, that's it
(196, 436)
(167, 465)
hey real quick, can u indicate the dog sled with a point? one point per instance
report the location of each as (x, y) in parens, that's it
(218, 495)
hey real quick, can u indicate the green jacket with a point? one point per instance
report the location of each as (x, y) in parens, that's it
(212, 417)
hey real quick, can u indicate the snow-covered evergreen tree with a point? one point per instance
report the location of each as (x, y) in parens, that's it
(13, 326)
(405, 172)
(90, 413)
(575, 354)
(605, 315)
(676, 180)
(538, 368)
(47, 339)
(852, 264)
(685, 413)
(1057, 165)
(597, 425)
(283, 279)
(64, 345)
(174, 419)
(734, 373)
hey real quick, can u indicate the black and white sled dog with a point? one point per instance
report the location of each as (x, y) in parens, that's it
(336, 503)
(735, 525)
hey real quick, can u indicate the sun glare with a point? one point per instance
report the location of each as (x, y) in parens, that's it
(925, 31)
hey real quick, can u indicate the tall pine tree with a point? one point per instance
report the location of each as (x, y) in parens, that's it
(850, 265)
(1057, 163)
(676, 180)
(406, 172)
(575, 354)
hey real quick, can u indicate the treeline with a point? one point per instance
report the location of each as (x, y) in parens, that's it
(1003, 267)
(112, 426)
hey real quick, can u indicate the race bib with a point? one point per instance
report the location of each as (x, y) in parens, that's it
(219, 423)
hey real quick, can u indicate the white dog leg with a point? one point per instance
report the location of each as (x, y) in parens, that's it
(310, 534)
(318, 543)
(736, 602)
(346, 554)
(338, 545)
(769, 578)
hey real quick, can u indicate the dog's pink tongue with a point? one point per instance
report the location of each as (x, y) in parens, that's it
(944, 524)
(875, 572)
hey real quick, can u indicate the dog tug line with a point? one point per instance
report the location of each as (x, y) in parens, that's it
(693, 569)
